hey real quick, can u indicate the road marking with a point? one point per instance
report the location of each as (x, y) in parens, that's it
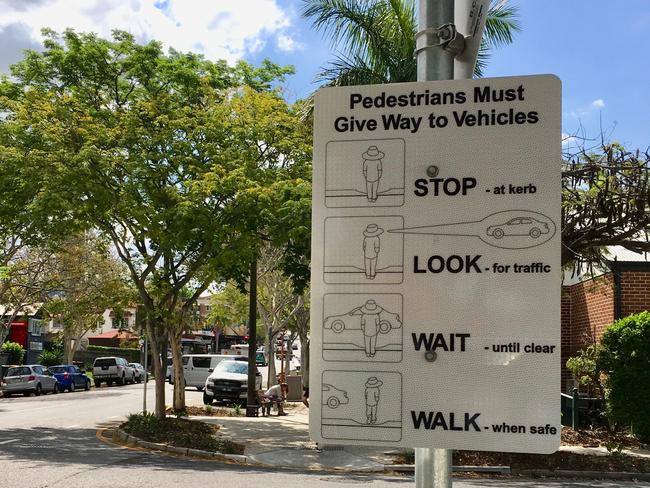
(72, 426)
(22, 410)
(114, 417)
(8, 441)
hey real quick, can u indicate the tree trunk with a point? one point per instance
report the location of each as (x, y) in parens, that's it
(271, 376)
(175, 336)
(287, 356)
(159, 366)
(304, 361)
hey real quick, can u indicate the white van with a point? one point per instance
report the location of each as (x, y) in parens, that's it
(197, 367)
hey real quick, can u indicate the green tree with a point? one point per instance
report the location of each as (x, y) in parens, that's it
(178, 160)
(625, 358)
(228, 306)
(376, 38)
(86, 281)
(605, 202)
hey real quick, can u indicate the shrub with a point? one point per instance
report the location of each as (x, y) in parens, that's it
(50, 358)
(625, 358)
(15, 350)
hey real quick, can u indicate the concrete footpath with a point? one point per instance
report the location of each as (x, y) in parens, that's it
(284, 442)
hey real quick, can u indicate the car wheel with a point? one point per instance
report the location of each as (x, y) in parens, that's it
(133, 380)
(72, 387)
(498, 233)
(207, 399)
(121, 381)
(333, 402)
(87, 385)
(39, 390)
(535, 233)
(199, 388)
(384, 327)
(56, 389)
(338, 326)
(6, 395)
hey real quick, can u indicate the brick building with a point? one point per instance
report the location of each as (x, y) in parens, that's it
(590, 304)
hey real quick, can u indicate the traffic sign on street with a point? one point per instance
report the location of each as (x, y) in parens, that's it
(435, 308)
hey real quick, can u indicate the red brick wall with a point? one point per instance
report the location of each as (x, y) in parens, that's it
(587, 309)
(635, 292)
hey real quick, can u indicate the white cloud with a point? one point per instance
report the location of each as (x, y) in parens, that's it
(585, 111)
(220, 29)
(287, 43)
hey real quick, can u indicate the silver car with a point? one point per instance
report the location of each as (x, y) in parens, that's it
(28, 379)
(138, 371)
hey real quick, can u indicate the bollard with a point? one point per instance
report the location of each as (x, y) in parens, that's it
(574, 409)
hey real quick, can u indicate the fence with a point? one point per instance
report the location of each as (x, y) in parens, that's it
(581, 412)
(88, 356)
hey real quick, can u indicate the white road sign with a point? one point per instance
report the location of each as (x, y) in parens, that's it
(435, 305)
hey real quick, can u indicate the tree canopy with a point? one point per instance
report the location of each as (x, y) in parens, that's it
(187, 165)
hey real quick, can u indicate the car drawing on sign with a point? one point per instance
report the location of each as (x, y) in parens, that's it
(333, 397)
(519, 226)
(352, 321)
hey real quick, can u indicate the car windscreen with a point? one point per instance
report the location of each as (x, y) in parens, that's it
(232, 367)
(104, 362)
(58, 369)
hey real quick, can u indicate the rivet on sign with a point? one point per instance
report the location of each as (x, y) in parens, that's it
(432, 171)
(430, 356)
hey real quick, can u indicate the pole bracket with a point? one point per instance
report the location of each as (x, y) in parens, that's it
(446, 37)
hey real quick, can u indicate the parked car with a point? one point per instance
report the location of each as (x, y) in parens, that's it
(138, 371)
(111, 370)
(70, 377)
(260, 358)
(170, 369)
(28, 379)
(229, 381)
(197, 367)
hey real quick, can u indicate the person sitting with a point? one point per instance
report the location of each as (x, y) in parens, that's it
(278, 394)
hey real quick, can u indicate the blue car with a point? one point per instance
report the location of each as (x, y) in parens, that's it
(70, 377)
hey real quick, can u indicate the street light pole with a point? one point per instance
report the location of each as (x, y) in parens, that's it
(146, 375)
(433, 466)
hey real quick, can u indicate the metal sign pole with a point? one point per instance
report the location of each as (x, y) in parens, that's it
(146, 376)
(433, 466)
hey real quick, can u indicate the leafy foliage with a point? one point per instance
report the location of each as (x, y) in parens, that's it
(605, 202)
(376, 38)
(625, 358)
(15, 350)
(50, 358)
(187, 165)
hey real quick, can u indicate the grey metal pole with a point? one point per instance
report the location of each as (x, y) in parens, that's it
(434, 63)
(433, 466)
(146, 376)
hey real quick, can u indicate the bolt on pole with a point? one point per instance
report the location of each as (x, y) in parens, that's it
(433, 466)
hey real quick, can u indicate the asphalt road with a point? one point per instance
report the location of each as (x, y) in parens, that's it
(51, 442)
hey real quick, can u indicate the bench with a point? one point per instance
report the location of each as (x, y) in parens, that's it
(263, 402)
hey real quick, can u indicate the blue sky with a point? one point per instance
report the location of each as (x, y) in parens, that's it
(599, 49)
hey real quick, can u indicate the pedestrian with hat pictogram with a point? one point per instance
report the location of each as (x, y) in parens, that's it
(372, 399)
(371, 248)
(372, 169)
